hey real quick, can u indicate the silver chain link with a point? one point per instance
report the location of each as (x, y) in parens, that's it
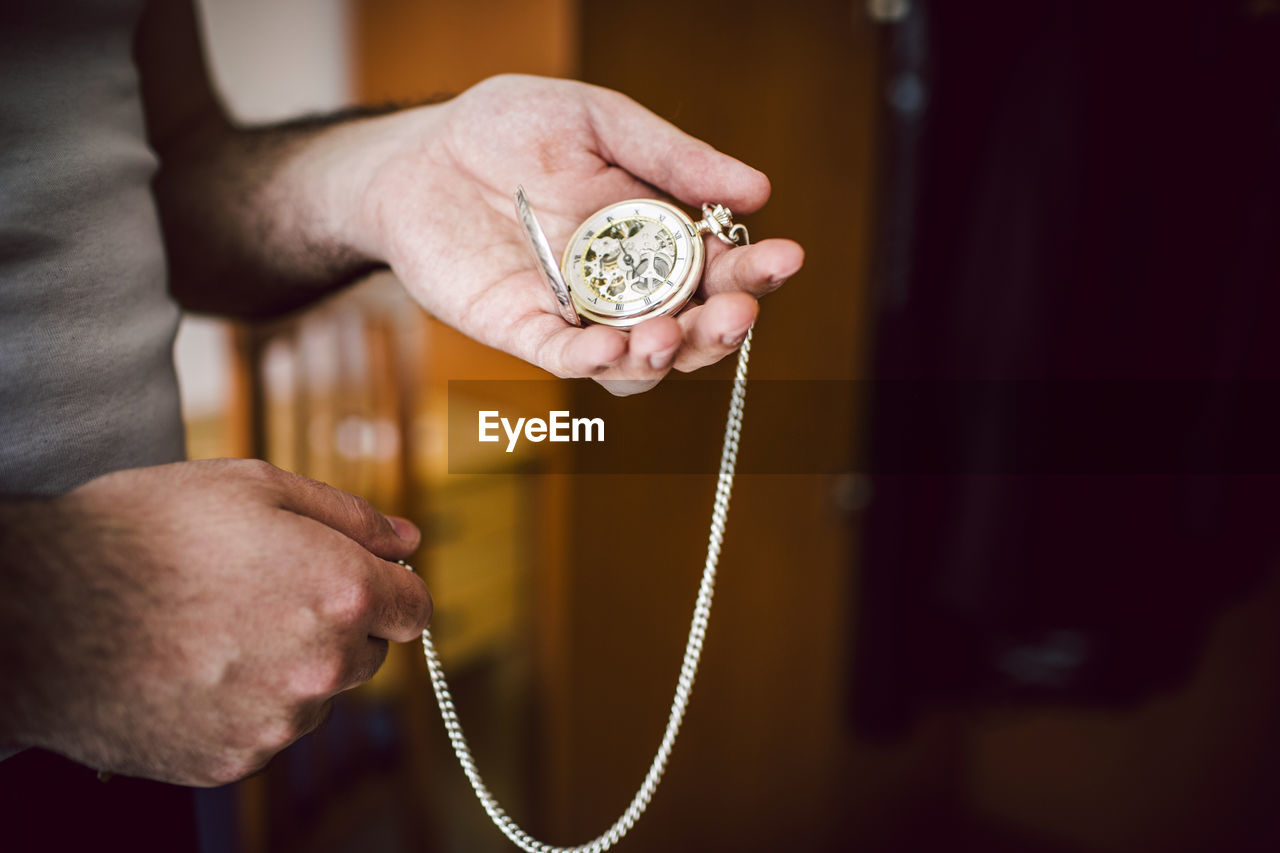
(684, 685)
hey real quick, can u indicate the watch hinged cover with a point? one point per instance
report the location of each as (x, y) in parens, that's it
(546, 260)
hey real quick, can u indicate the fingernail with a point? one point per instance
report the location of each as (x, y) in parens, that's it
(662, 360)
(734, 339)
(779, 278)
(404, 528)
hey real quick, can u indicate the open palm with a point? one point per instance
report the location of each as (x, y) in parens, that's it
(446, 213)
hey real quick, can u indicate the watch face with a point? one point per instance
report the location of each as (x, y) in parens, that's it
(632, 261)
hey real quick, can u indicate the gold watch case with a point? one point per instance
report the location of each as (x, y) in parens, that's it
(628, 262)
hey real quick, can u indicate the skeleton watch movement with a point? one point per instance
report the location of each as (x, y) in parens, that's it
(629, 261)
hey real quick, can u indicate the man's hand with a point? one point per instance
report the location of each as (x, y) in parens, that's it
(263, 221)
(439, 209)
(187, 622)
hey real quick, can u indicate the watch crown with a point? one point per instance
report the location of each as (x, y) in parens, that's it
(718, 220)
(718, 214)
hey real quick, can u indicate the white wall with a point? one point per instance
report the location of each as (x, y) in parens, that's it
(275, 59)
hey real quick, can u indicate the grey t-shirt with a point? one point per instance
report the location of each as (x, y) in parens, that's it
(87, 384)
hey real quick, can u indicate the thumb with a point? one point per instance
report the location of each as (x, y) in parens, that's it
(389, 537)
(666, 157)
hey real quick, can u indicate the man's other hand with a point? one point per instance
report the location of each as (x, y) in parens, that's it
(187, 622)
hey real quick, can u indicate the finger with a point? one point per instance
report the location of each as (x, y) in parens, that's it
(352, 593)
(715, 329)
(311, 716)
(569, 351)
(661, 154)
(398, 603)
(364, 662)
(651, 350)
(389, 537)
(652, 347)
(757, 269)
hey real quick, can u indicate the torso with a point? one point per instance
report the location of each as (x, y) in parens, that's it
(87, 383)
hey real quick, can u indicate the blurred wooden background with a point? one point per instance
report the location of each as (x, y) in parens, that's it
(563, 651)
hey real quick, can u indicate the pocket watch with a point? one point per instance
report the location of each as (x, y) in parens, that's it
(629, 261)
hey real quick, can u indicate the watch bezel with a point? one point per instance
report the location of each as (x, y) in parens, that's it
(669, 304)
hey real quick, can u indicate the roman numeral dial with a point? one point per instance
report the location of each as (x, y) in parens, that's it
(631, 261)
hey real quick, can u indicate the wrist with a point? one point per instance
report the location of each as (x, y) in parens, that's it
(352, 172)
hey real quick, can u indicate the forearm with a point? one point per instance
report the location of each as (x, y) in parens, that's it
(28, 562)
(256, 221)
(262, 221)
